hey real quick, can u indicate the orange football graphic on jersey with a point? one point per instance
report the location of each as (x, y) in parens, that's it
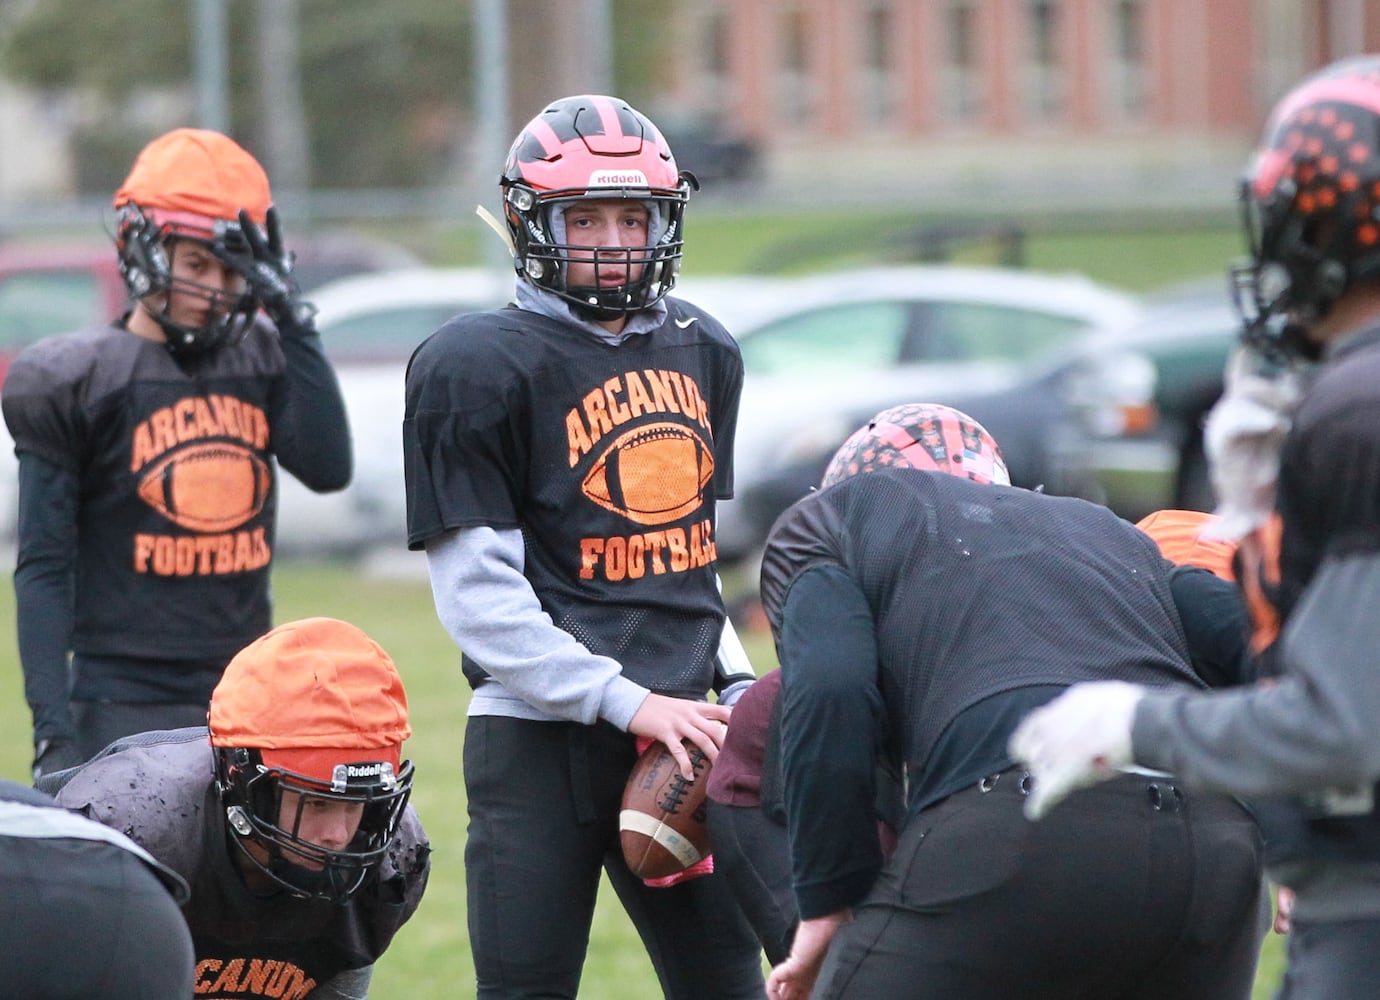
(654, 474)
(207, 486)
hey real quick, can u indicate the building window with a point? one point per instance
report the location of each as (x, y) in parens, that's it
(960, 98)
(713, 79)
(794, 91)
(1127, 79)
(1043, 89)
(877, 83)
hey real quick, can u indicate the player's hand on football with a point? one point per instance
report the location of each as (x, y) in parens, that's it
(1078, 739)
(671, 720)
(794, 978)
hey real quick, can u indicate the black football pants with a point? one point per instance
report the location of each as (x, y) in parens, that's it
(754, 853)
(544, 799)
(1132, 890)
(81, 919)
(100, 723)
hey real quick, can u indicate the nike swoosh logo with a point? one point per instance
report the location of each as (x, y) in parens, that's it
(683, 323)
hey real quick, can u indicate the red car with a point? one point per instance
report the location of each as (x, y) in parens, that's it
(58, 288)
(55, 289)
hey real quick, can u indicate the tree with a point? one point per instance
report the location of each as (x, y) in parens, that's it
(385, 86)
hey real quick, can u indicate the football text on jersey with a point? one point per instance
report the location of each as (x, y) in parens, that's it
(201, 464)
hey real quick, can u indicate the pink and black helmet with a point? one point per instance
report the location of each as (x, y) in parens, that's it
(594, 147)
(926, 436)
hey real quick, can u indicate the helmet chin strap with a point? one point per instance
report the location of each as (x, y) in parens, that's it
(601, 304)
(275, 872)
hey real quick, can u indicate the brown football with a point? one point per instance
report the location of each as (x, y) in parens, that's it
(662, 825)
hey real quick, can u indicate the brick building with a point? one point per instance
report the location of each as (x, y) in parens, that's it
(1005, 98)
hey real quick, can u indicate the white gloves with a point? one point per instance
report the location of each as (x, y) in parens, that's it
(1242, 439)
(1078, 739)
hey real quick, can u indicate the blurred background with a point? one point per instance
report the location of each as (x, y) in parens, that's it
(852, 154)
(1023, 208)
(397, 113)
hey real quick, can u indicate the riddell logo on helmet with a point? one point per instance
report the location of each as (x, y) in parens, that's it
(618, 178)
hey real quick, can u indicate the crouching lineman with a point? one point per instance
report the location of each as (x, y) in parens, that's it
(290, 823)
(921, 606)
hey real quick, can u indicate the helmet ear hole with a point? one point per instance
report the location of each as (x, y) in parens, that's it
(143, 261)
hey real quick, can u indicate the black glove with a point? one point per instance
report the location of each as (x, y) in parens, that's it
(267, 267)
(55, 755)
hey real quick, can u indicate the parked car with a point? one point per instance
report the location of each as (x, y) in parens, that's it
(51, 289)
(1158, 461)
(825, 352)
(370, 325)
(712, 153)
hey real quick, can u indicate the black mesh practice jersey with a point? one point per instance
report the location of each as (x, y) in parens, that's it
(160, 794)
(608, 458)
(176, 469)
(976, 590)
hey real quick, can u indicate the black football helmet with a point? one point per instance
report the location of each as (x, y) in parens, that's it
(252, 796)
(594, 147)
(144, 251)
(1311, 207)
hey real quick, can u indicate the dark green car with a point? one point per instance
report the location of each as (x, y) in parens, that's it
(1153, 458)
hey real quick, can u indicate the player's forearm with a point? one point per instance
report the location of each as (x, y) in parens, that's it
(489, 608)
(44, 591)
(830, 712)
(1313, 729)
(311, 431)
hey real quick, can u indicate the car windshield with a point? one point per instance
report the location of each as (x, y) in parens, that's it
(387, 332)
(877, 335)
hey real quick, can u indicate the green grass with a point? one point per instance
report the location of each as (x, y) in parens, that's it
(1137, 253)
(429, 959)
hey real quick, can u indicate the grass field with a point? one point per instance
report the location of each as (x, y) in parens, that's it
(430, 957)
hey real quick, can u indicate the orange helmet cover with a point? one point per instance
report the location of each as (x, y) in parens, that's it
(1178, 533)
(309, 695)
(188, 178)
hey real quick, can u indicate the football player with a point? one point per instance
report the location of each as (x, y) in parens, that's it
(563, 456)
(1296, 461)
(148, 449)
(288, 818)
(921, 605)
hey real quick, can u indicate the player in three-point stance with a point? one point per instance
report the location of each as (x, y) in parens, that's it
(921, 606)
